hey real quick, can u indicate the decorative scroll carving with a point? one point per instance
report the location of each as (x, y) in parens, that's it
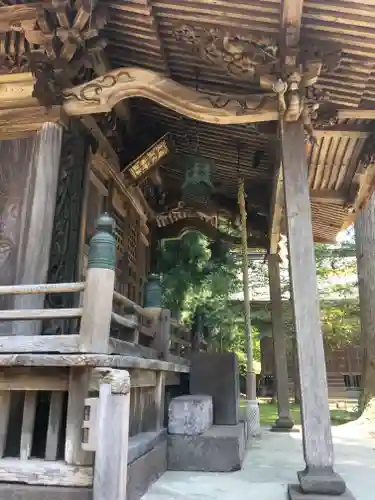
(67, 222)
(180, 213)
(239, 55)
(124, 83)
(180, 227)
(91, 92)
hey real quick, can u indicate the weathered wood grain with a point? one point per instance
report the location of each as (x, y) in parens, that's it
(39, 343)
(4, 419)
(78, 389)
(160, 400)
(28, 422)
(40, 216)
(127, 322)
(317, 438)
(279, 341)
(54, 425)
(90, 360)
(38, 314)
(16, 122)
(138, 82)
(117, 346)
(43, 288)
(112, 445)
(97, 310)
(43, 473)
(34, 379)
(162, 339)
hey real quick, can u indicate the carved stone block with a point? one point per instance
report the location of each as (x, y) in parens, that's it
(190, 415)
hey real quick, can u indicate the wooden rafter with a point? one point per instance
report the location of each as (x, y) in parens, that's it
(155, 27)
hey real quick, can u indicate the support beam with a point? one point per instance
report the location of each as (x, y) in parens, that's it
(284, 422)
(290, 26)
(329, 196)
(318, 476)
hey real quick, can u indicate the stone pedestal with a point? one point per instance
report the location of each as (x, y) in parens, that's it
(295, 493)
(284, 424)
(190, 415)
(220, 449)
(217, 375)
(251, 417)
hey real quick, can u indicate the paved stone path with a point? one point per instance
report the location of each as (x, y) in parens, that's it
(270, 464)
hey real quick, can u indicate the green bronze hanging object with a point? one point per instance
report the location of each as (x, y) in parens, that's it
(152, 295)
(197, 184)
(102, 248)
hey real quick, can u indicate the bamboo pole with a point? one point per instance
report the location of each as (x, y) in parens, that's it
(250, 375)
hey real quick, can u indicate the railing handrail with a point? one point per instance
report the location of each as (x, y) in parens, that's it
(179, 326)
(42, 288)
(136, 308)
(124, 321)
(26, 314)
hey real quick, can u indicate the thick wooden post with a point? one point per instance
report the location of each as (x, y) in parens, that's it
(98, 295)
(162, 339)
(34, 255)
(284, 422)
(365, 250)
(318, 477)
(111, 459)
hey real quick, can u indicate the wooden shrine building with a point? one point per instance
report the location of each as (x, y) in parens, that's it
(156, 111)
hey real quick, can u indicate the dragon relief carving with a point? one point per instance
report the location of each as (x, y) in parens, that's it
(241, 56)
(257, 59)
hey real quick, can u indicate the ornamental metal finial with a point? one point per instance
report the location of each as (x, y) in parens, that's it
(102, 250)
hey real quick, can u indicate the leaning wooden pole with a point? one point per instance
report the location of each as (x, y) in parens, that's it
(250, 375)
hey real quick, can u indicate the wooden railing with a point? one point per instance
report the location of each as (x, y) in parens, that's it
(48, 378)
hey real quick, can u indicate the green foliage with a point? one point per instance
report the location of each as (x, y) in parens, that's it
(198, 275)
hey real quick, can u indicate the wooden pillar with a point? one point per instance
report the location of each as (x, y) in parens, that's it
(97, 307)
(40, 216)
(365, 250)
(284, 422)
(111, 459)
(318, 476)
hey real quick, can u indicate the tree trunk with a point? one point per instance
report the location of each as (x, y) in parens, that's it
(365, 248)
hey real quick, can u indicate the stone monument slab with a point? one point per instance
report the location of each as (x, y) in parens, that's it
(217, 374)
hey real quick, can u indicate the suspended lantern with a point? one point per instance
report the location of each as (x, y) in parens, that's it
(197, 187)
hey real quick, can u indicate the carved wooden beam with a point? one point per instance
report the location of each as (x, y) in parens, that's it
(101, 66)
(329, 196)
(103, 93)
(105, 147)
(18, 122)
(356, 114)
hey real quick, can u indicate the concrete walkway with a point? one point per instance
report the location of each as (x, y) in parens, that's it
(270, 464)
